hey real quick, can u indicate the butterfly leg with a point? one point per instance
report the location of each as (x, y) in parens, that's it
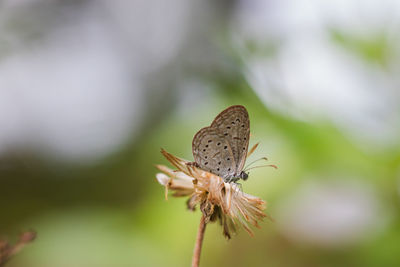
(231, 179)
(193, 163)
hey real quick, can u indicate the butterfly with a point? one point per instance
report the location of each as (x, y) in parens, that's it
(221, 148)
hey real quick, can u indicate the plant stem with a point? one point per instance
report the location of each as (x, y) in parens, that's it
(199, 242)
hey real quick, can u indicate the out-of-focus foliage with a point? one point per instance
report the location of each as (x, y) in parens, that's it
(91, 90)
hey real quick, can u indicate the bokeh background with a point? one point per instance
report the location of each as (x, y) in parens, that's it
(91, 90)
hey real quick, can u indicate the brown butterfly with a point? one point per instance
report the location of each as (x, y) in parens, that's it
(221, 148)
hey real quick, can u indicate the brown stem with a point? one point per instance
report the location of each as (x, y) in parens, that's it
(199, 242)
(7, 251)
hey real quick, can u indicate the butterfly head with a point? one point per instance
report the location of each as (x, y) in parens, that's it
(243, 175)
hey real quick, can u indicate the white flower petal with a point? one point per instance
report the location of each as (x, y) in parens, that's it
(162, 178)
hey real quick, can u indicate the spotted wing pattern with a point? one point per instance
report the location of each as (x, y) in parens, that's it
(212, 152)
(222, 147)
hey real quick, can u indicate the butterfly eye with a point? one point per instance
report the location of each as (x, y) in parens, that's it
(225, 134)
(206, 145)
(228, 159)
(218, 143)
(205, 163)
(219, 163)
(225, 147)
(228, 127)
(209, 141)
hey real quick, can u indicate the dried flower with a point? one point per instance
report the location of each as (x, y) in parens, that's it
(217, 200)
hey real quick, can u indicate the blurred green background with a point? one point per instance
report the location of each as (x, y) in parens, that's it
(91, 90)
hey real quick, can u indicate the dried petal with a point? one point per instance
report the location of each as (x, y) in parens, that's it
(217, 200)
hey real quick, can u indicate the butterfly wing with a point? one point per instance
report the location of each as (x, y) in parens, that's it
(234, 124)
(212, 152)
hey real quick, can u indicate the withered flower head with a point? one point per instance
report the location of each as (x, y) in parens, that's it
(217, 200)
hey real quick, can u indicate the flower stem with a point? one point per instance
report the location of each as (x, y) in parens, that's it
(199, 242)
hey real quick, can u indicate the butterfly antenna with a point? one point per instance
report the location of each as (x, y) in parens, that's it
(251, 163)
(261, 166)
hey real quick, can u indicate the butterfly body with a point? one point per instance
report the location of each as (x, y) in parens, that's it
(243, 175)
(221, 148)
